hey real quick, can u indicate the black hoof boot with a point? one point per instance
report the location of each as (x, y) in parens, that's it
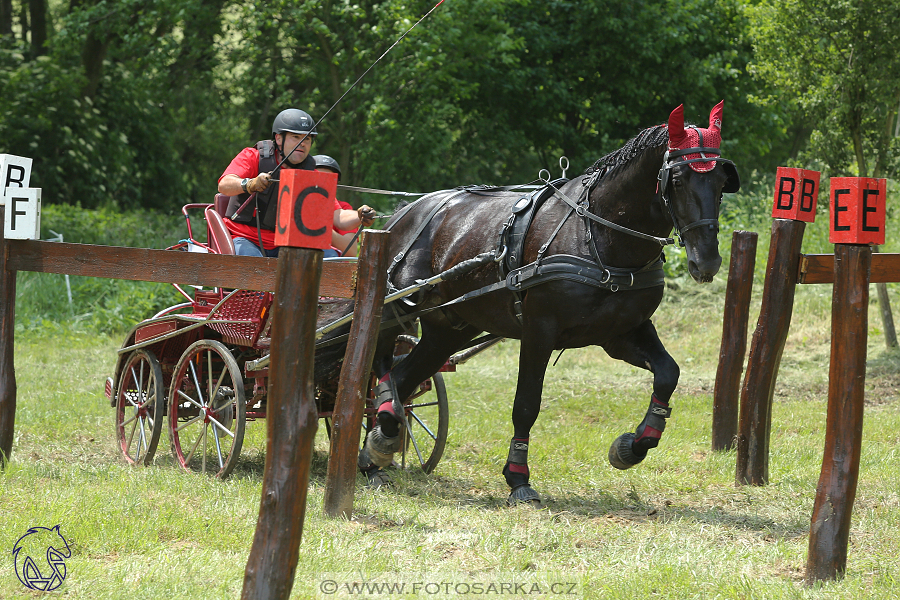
(377, 478)
(524, 494)
(379, 449)
(621, 453)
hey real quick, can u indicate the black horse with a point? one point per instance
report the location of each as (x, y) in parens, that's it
(588, 271)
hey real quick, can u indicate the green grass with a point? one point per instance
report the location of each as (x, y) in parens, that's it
(673, 527)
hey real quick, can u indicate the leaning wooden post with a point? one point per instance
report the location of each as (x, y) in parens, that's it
(734, 339)
(371, 279)
(7, 338)
(796, 193)
(857, 217)
(291, 415)
(765, 352)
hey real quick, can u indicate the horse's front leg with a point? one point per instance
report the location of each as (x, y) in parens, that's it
(534, 354)
(641, 347)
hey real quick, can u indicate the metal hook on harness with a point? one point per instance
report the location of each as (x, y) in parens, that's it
(564, 165)
(542, 177)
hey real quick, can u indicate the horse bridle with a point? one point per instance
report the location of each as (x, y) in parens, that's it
(664, 175)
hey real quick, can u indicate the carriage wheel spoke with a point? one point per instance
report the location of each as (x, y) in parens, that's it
(423, 425)
(416, 446)
(205, 430)
(197, 384)
(189, 399)
(220, 426)
(187, 459)
(129, 419)
(218, 445)
(131, 435)
(189, 422)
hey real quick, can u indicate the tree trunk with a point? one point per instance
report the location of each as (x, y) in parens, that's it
(887, 317)
(884, 300)
(38, 10)
(92, 56)
(198, 51)
(6, 14)
(23, 21)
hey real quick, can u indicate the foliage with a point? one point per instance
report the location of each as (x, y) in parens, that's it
(142, 104)
(97, 305)
(838, 62)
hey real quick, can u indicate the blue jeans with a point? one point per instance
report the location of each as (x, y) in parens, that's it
(244, 247)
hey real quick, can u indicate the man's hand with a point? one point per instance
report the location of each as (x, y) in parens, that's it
(259, 183)
(366, 214)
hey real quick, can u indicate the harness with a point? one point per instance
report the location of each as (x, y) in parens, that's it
(518, 278)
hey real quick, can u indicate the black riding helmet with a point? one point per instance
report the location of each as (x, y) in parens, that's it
(293, 120)
(323, 160)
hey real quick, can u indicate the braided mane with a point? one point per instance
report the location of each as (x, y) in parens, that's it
(651, 137)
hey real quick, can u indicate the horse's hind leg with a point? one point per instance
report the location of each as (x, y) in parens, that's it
(428, 356)
(641, 347)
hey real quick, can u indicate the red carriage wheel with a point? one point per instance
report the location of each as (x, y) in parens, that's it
(207, 409)
(140, 401)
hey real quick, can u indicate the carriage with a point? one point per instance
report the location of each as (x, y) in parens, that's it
(533, 265)
(199, 369)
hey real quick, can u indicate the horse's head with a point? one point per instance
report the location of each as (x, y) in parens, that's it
(692, 180)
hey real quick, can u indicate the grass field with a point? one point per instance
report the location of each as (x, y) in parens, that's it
(673, 527)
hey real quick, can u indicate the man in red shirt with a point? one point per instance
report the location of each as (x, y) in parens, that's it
(253, 208)
(340, 238)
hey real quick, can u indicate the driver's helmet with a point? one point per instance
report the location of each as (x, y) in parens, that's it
(323, 160)
(294, 120)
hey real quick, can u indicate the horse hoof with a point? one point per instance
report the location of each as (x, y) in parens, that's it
(524, 494)
(380, 449)
(621, 456)
(377, 478)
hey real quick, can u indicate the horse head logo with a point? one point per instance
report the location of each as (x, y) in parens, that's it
(38, 543)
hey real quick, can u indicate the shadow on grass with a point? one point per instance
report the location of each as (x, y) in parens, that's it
(453, 492)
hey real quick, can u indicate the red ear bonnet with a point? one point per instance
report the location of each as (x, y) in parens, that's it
(682, 139)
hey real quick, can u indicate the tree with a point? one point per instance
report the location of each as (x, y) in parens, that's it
(839, 62)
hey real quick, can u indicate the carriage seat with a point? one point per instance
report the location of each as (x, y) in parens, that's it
(221, 203)
(218, 237)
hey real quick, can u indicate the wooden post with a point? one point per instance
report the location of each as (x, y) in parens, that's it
(291, 420)
(765, 352)
(734, 339)
(830, 528)
(7, 338)
(340, 482)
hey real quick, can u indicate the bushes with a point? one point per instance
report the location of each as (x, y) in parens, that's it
(102, 305)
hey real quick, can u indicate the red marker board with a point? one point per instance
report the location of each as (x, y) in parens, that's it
(305, 208)
(796, 192)
(857, 213)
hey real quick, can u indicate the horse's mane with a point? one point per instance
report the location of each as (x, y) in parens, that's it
(652, 137)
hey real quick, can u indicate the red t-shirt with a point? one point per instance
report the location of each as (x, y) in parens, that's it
(246, 165)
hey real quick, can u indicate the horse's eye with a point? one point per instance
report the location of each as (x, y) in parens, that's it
(676, 182)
